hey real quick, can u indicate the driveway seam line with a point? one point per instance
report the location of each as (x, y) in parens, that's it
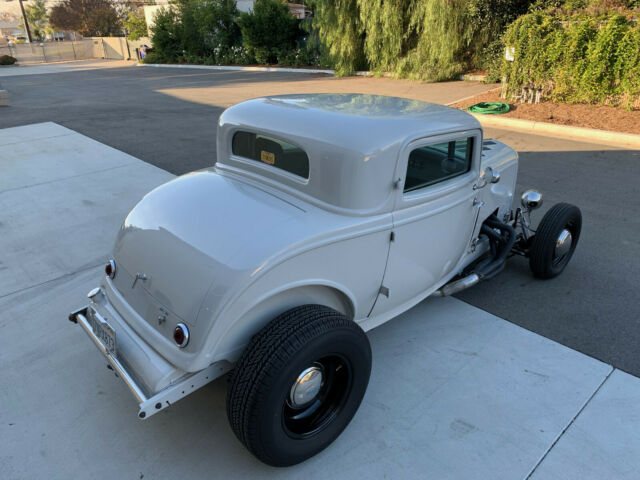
(64, 178)
(20, 290)
(72, 132)
(595, 392)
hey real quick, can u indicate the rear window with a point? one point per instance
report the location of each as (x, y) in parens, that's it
(271, 151)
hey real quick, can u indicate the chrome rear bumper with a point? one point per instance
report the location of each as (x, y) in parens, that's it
(80, 318)
(149, 404)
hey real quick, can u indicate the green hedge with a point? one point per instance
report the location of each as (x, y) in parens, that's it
(573, 58)
(213, 32)
(269, 31)
(197, 31)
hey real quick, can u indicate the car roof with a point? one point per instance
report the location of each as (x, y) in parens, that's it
(352, 141)
(368, 122)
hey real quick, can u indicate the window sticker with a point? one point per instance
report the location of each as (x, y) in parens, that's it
(267, 157)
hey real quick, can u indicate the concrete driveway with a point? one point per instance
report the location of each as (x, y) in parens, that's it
(455, 392)
(167, 117)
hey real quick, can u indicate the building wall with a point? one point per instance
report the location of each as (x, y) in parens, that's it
(150, 12)
(244, 5)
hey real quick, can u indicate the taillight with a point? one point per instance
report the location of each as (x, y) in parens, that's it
(110, 269)
(181, 335)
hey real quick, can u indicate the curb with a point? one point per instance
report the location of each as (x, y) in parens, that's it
(240, 69)
(4, 98)
(472, 77)
(591, 135)
(364, 73)
(255, 69)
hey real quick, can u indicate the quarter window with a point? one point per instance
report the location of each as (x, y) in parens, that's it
(432, 164)
(271, 151)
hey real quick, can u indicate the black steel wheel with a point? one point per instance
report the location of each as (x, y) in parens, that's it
(555, 240)
(298, 384)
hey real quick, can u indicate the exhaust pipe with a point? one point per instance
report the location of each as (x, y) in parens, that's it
(501, 244)
(457, 286)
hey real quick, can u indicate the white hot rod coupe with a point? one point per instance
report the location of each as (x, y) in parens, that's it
(323, 217)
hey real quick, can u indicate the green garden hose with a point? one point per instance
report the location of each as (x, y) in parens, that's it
(489, 107)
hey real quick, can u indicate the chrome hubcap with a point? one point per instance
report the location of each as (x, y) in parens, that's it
(306, 387)
(563, 243)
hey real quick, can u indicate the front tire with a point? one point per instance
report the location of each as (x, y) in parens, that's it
(298, 384)
(555, 240)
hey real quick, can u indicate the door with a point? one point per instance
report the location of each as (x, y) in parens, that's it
(433, 219)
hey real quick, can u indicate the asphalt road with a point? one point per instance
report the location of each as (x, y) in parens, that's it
(168, 117)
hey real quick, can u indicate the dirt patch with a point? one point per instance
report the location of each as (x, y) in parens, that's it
(577, 115)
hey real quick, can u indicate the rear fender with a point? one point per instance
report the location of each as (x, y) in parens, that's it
(249, 322)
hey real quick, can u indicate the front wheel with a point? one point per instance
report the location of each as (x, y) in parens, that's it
(555, 240)
(298, 384)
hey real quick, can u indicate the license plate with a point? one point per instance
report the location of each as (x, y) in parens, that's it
(104, 332)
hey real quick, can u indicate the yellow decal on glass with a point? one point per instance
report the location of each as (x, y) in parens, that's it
(267, 157)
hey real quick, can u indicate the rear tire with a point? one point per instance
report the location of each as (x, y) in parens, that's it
(280, 423)
(549, 255)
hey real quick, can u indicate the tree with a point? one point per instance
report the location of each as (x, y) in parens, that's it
(38, 18)
(428, 39)
(269, 30)
(339, 27)
(417, 38)
(91, 18)
(135, 24)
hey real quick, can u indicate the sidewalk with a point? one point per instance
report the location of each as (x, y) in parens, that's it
(455, 392)
(62, 67)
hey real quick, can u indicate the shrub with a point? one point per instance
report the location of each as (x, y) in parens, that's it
(269, 30)
(152, 57)
(207, 25)
(236, 55)
(298, 57)
(7, 60)
(573, 59)
(194, 30)
(166, 36)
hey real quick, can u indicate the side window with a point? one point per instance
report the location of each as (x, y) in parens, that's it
(432, 164)
(271, 151)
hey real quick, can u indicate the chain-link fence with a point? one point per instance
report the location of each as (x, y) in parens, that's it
(113, 48)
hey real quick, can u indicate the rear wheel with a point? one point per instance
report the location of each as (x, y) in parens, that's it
(298, 384)
(555, 240)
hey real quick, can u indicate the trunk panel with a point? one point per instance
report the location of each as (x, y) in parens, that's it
(194, 233)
